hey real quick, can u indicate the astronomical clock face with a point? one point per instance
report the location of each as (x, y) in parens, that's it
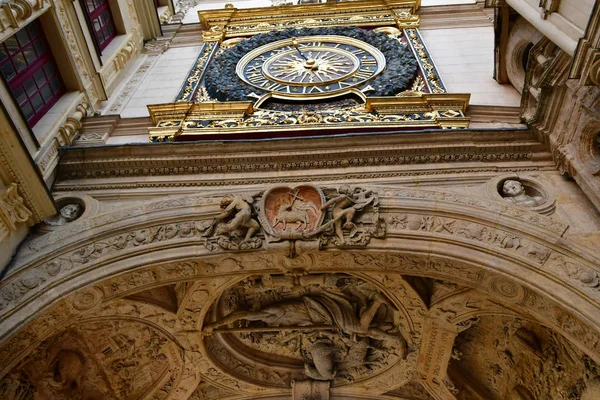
(311, 66)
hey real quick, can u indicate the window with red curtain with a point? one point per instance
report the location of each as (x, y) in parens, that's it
(101, 21)
(27, 65)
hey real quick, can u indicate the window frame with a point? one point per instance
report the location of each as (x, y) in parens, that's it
(90, 16)
(43, 61)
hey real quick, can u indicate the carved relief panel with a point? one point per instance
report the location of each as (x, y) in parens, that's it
(97, 360)
(274, 330)
(516, 359)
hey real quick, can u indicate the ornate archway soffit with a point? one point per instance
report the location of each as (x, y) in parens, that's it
(517, 256)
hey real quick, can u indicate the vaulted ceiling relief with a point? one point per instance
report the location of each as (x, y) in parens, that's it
(309, 336)
(98, 360)
(511, 358)
(280, 299)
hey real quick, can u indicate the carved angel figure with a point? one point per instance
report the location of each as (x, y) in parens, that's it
(239, 209)
(345, 205)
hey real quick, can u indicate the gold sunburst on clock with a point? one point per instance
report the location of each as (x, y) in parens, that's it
(311, 66)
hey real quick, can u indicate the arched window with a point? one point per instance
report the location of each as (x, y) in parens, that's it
(27, 65)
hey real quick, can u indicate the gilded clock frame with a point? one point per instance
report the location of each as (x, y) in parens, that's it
(426, 105)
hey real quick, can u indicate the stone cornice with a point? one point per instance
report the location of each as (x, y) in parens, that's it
(477, 147)
(15, 14)
(232, 22)
(456, 16)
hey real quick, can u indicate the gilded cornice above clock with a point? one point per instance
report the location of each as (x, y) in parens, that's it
(231, 22)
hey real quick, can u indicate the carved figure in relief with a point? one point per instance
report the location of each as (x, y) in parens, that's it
(320, 308)
(13, 204)
(296, 211)
(514, 192)
(340, 327)
(345, 205)
(239, 209)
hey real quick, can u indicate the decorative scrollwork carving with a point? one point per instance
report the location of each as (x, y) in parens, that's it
(12, 209)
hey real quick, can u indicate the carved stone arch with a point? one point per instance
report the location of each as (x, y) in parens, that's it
(588, 142)
(389, 263)
(522, 36)
(518, 257)
(469, 304)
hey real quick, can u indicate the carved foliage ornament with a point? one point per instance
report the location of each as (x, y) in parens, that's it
(12, 209)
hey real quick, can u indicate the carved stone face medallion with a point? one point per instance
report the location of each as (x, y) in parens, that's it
(293, 213)
(513, 191)
(70, 212)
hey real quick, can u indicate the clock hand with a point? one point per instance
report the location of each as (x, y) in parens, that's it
(296, 46)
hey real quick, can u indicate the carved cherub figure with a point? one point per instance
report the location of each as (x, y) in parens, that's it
(345, 206)
(514, 192)
(239, 209)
